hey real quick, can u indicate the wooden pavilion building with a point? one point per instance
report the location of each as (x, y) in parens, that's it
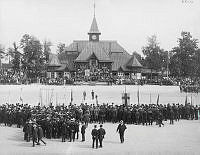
(94, 59)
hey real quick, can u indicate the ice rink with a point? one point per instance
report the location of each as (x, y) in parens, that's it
(33, 94)
(183, 138)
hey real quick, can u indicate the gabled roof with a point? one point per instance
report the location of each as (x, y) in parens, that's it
(133, 62)
(68, 58)
(53, 60)
(116, 52)
(94, 27)
(119, 60)
(96, 49)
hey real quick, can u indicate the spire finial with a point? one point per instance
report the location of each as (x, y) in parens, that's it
(94, 8)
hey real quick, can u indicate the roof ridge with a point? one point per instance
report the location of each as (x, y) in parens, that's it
(74, 41)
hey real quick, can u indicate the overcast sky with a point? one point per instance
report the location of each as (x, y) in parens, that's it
(129, 22)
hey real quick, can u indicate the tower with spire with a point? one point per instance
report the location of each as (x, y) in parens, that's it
(95, 59)
(94, 31)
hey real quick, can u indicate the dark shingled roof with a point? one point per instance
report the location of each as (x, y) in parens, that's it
(96, 49)
(109, 46)
(119, 60)
(133, 62)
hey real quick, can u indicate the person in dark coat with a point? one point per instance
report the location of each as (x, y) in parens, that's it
(121, 128)
(95, 136)
(83, 128)
(84, 95)
(101, 135)
(27, 131)
(35, 134)
(92, 93)
(77, 129)
(196, 112)
(72, 130)
(160, 119)
(63, 131)
(171, 116)
(40, 135)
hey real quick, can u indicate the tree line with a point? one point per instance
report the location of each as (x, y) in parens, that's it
(182, 61)
(30, 56)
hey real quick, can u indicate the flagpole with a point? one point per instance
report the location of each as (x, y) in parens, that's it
(186, 100)
(9, 97)
(41, 97)
(21, 95)
(51, 97)
(158, 99)
(138, 94)
(150, 98)
(71, 97)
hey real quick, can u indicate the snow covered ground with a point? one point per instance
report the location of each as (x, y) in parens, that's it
(183, 138)
(33, 94)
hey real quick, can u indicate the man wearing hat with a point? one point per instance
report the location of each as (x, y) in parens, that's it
(40, 134)
(121, 128)
(95, 136)
(72, 130)
(83, 128)
(35, 134)
(63, 131)
(27, 131)
(101, 134)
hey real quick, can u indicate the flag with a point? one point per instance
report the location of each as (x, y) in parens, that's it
(21, 99)
(150, 98)
(158, 99)
(71, 96)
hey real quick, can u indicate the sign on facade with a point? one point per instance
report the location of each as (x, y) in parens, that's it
(87, 72)
(136, 75)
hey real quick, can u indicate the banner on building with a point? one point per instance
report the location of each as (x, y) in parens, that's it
(87, 72)
(136, 75)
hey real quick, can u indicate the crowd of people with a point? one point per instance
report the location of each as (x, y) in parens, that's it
(64, 121)
(189, 85)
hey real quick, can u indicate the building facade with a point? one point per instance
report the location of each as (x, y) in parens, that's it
(94, 59)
